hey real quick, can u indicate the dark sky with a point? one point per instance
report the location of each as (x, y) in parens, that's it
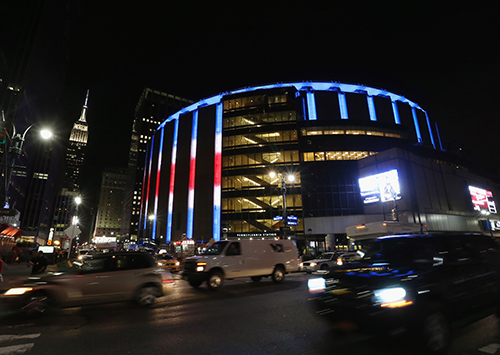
(439, 54)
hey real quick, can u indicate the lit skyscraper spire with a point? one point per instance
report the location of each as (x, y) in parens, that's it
(75, 153)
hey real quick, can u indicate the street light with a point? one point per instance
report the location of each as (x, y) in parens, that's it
(12, 151)
(291, 179)
(151, 218)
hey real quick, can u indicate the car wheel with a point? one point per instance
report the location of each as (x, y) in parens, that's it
(435, 333)
(256, 278)
(37, 304)
(324, 267)
(147, 296)
(194, 283)
(215, 281)
(278, 274)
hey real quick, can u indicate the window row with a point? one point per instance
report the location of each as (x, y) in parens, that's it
(261, 203)
(269, 224)
(256, 181)
(252, 159)
(254, 101)
(342, 155)
(255, 119)
(259, 138)
(351, 131)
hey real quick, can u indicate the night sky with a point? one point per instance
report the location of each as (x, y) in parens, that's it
(439, 54)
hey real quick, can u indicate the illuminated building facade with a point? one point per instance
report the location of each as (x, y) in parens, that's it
(75, 153)
(110, 209)
(209, 166)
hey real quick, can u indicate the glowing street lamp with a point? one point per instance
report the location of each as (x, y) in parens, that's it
(13, 147)
(291, 179)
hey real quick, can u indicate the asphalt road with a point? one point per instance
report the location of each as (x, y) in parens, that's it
(241, 318)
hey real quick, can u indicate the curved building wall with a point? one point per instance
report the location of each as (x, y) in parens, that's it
(208, 165)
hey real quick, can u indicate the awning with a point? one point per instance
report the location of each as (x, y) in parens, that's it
(10, 231)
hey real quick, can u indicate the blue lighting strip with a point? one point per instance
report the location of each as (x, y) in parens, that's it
(343, 106)
(371, 108)
(311, 106)
(172, 183)
(192, 175)
(396, 112)
(439, 137)
(430, 130)
(217, 173)
(157, 192)
(415, 122)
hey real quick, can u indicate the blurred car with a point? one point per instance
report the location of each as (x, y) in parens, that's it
(322, 262)
(348, 257)
(101, 278)
(424, 284)
(168, 262)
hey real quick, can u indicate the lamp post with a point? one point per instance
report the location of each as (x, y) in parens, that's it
(291, 178)
(12, 151)
(151, 219)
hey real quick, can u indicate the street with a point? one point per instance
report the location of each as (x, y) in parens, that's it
(241, 318)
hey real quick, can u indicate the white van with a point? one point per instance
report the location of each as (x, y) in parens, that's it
(230, 259)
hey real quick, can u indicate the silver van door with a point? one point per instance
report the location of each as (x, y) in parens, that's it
(233, 262)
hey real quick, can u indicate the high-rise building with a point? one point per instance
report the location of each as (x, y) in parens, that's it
(75, 153)
(110, 209)
(153, 107)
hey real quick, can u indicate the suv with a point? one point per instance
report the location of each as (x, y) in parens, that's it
(422, 283)
(100, 278)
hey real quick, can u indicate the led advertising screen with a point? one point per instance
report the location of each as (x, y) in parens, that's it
(380, 187)
(482, 200)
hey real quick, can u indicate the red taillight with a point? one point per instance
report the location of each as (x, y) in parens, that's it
(168, 281)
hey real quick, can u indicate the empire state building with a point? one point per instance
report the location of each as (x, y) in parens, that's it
(75, 153)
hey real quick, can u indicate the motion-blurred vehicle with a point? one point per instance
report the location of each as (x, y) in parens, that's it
(425, 284)
(322, 262)
(101, 278)
(348, 257)
(168, 262)
(226, 260)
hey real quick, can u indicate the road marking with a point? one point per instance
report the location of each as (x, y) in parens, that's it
(17, 337)
(16, 349)
(490, 349)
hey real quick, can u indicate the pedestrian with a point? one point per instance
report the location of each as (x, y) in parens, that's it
(39, 263)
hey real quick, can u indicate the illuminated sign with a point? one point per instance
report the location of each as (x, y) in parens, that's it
(380, 187)
(277, 218)
(482, 199)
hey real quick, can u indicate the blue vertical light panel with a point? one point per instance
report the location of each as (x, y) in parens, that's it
(395, 111)
(311, 106)
(415, 122)
(430, 129)
(371, 108)
(343, 106)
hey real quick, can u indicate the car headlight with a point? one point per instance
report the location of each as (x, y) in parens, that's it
(316, 285)
(301, 265)
(177, 263)
(339, 262)
(313, 264)
(200, 267)
(17, 291)
(392, 297)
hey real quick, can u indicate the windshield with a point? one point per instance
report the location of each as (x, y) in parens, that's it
(215, 249)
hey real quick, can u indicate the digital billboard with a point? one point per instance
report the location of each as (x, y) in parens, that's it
(482, 199)
(380, 187)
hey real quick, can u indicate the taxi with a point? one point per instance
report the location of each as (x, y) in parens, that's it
(168, 262)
